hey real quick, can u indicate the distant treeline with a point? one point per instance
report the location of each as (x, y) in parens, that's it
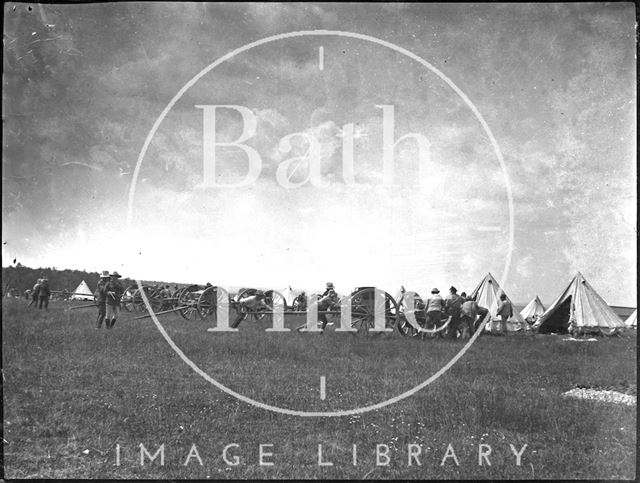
(22, 278)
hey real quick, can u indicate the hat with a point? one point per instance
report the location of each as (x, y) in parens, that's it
(115, 274)
(329, 284)
(435, 290)
(105, 274)
(45, 279)
(453, 289)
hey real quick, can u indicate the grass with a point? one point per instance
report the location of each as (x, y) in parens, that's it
(69, 388)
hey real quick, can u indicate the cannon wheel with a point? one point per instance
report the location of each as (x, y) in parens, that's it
(190, 301)
(363, 311)
(207, 304)
(274, 299)
(127, 298)
(154, 296)
(404, 327)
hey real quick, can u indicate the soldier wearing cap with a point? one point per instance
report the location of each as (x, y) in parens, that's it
(100, 297)
(113, 294)
(44, 293)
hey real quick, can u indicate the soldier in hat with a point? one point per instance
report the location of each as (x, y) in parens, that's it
(433, 308)
(100, 297)
(113, 290)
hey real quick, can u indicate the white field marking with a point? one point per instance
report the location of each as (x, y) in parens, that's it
(323, 388)
(330, 33)
(321, 57)
(489, 228)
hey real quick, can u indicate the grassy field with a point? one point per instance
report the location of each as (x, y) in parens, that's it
(72, 393)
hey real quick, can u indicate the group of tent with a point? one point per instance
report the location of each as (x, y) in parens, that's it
(579, 309)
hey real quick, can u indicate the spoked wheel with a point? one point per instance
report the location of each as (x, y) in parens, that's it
(408, 308)
(207, 304)
(189, 300)
(127, 298)
(154, 297)
(364, 305)
(274, 301)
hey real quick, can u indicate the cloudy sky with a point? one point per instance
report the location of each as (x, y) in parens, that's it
(84, 85)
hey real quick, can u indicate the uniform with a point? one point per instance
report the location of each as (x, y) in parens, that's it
(43, 295)
(452, 306)
(100, 296)
(433, 308)
(505, 310)
(113, 294)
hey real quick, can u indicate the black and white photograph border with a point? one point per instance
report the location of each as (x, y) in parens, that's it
(319, 241)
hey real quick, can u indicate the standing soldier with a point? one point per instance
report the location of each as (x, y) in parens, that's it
(452, 305)
(505, 310)
(100, 296)
(35, 292)
(44, 293)
(113, 290)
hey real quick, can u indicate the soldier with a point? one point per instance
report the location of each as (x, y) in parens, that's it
(113, 290)
(433, 309)
(35, 292)
(43, 294)
(300, 302)
(326, 301)
(505, 311)
(452, 304)
(100, 297)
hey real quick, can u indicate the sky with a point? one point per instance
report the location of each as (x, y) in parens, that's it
(84, 85)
